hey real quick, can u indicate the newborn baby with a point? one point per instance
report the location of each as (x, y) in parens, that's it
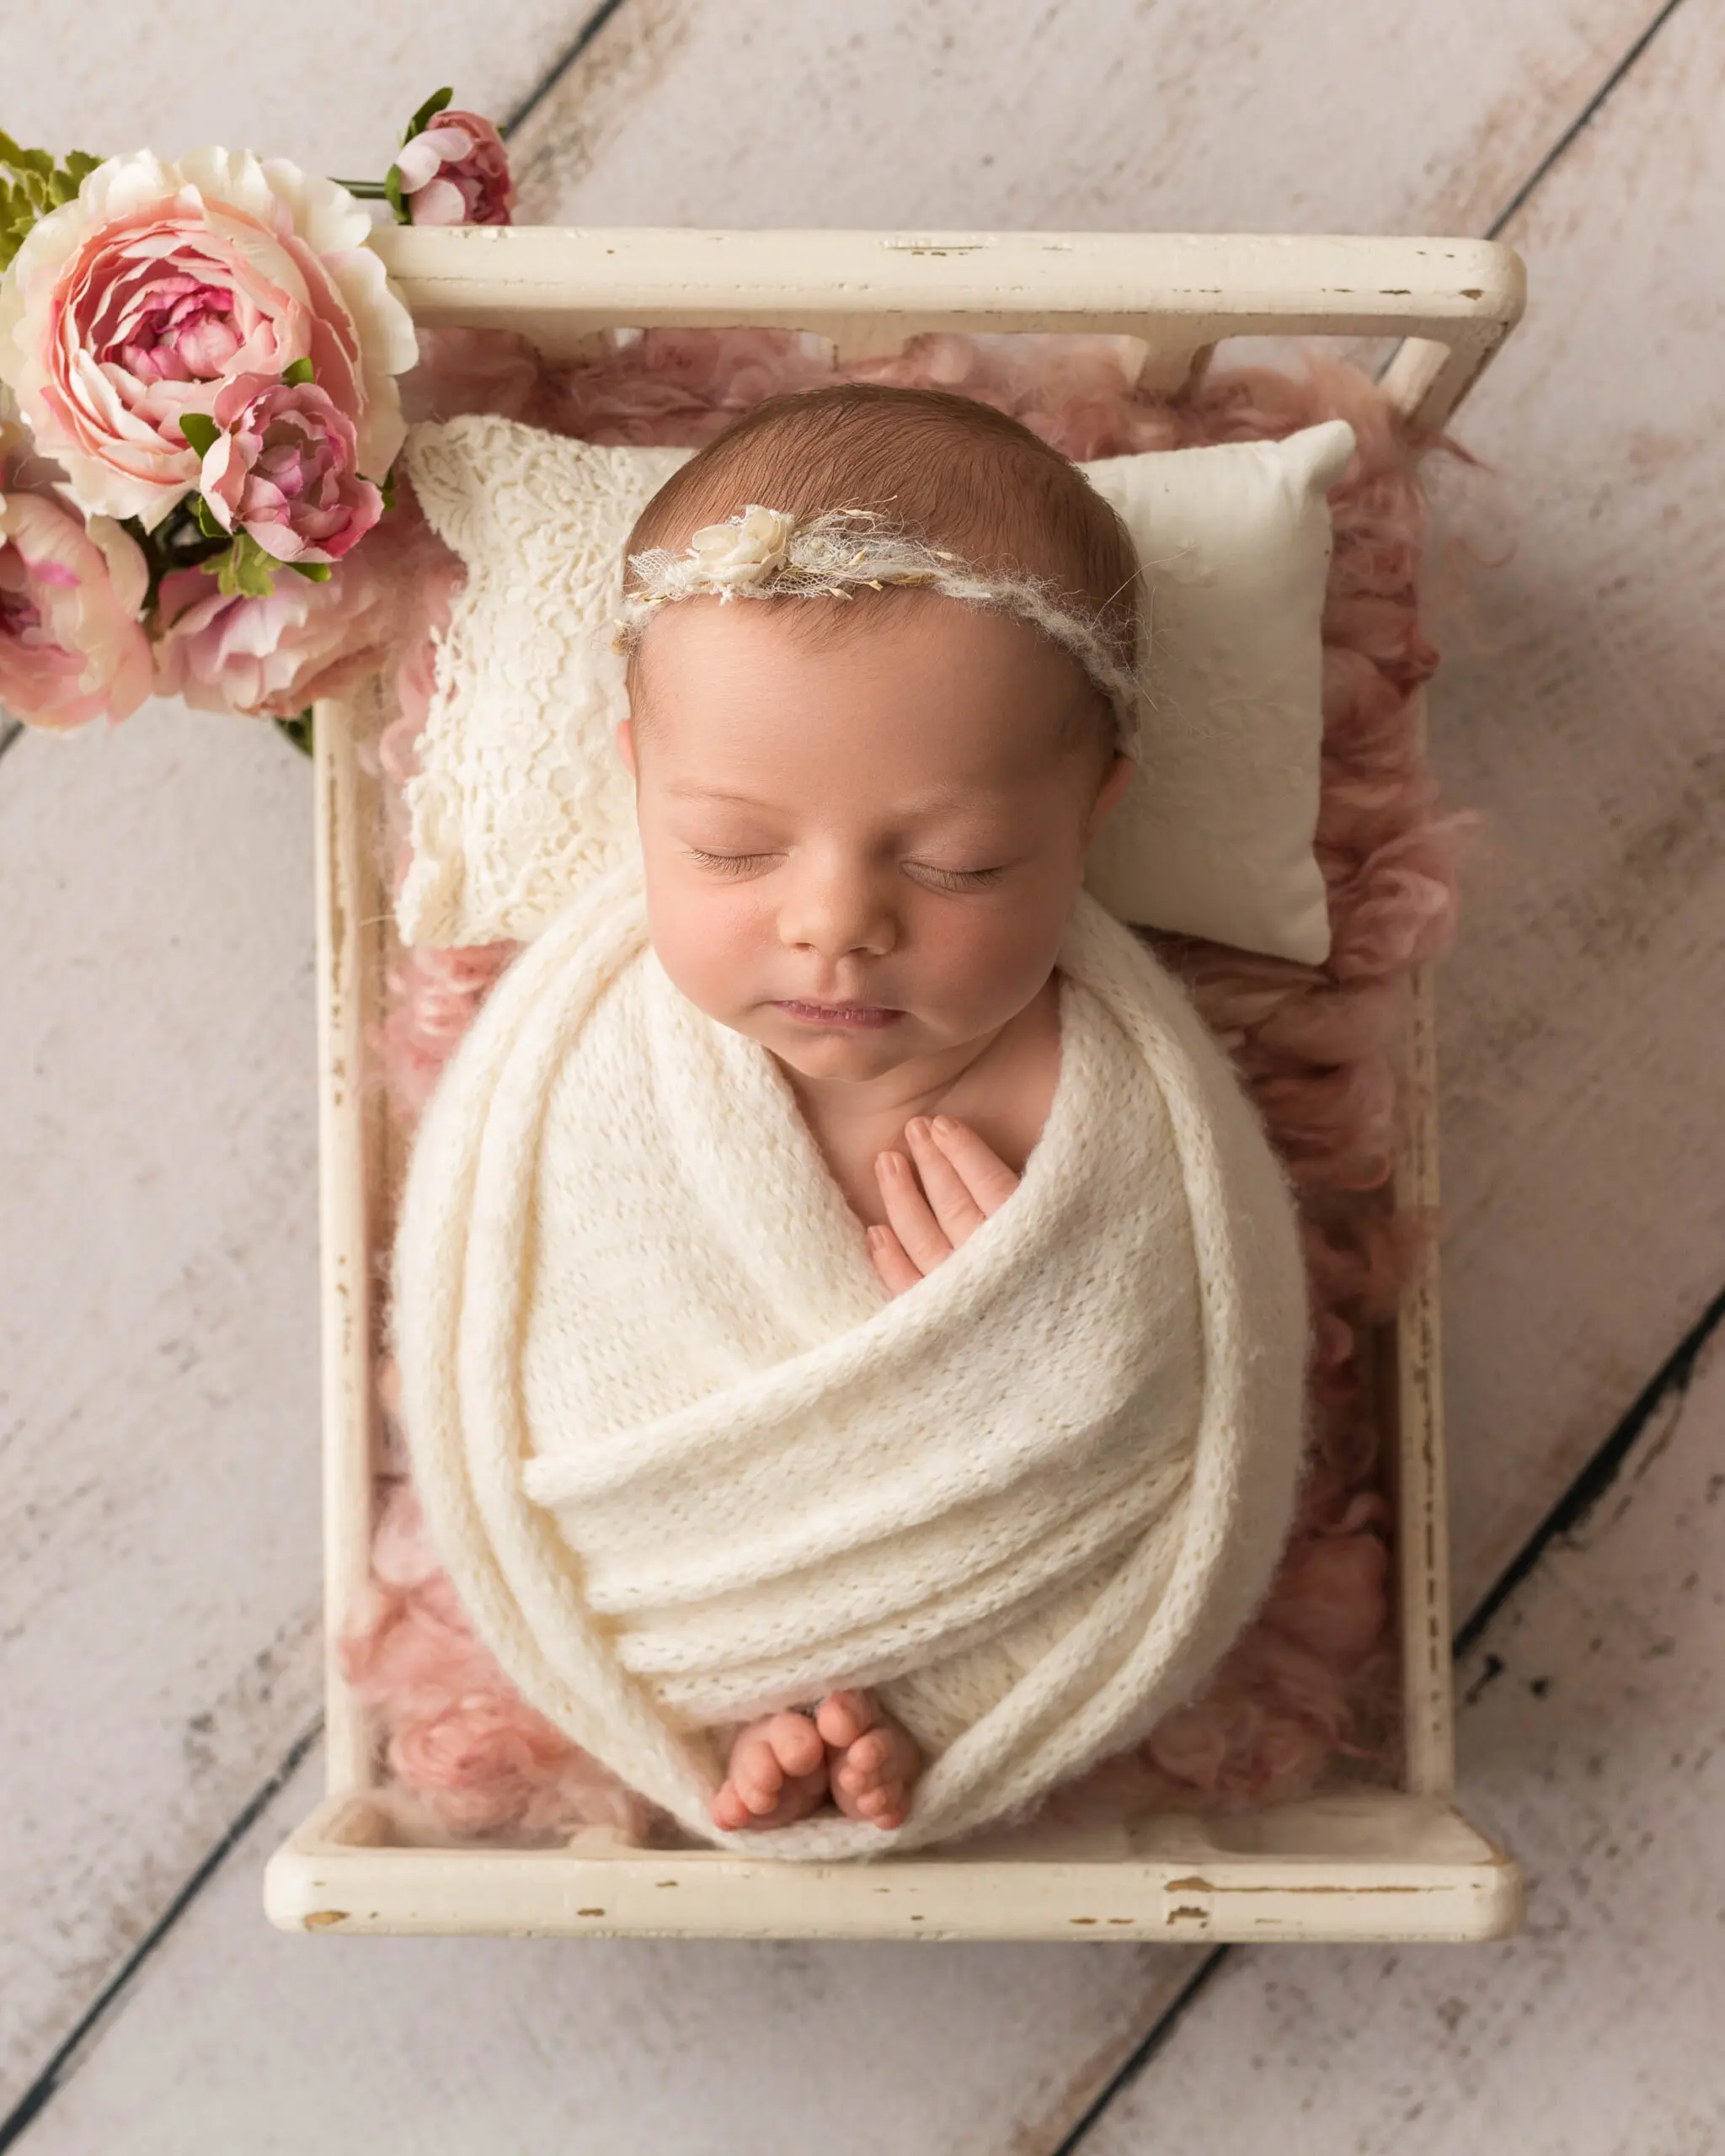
(864, 815)
(873, 1543)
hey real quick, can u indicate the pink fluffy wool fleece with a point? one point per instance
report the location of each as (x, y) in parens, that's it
(1307, 1695)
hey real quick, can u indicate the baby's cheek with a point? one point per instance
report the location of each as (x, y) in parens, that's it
(711, 942)
(994, 960)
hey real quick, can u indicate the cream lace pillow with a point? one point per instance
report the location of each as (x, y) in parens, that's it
(521, 797)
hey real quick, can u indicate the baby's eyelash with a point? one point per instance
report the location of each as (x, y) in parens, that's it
(959, 879)
(729, 864)
(945, 879)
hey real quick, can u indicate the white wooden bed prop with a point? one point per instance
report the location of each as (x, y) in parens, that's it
(1399, 1863)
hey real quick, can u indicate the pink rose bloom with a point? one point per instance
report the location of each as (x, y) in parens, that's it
(70, 646)
(271, 657)
(132, 306)
(455, 171)
(283, 469)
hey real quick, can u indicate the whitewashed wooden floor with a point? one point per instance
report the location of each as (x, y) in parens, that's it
(158, 1597)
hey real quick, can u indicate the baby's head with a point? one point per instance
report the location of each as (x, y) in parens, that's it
(881, 800)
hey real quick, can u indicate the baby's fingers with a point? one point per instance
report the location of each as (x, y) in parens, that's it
(958, 1213)
(984, 1173)
(907, 1212)
(890, 1261)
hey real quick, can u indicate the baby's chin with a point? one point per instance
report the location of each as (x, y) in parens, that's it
(837, 1051)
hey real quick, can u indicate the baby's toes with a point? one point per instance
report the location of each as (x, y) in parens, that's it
(843, 1717)
(769, 1755)
(797, 1744)
(874, 1779)
(728, 1810)
(863, 1767)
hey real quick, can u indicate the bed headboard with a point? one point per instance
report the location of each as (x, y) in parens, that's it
(1450, 302)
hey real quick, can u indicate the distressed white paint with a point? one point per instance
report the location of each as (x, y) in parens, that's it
(1236, 116)
(240, 2039)
(159, 1514)
(1581, 1020)
(1388, 1867)
(1136, 115)
(159, 1648)
(323, 82)
(1596, 1743)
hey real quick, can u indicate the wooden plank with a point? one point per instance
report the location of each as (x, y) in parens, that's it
(1164, 116)
(158, 1329)
(1455, 300)
(158, 1606)
(1594, 1740)
(884, 129)
(1582, 1049)
(327, 84)
(1582, 1020)
(238, 2038)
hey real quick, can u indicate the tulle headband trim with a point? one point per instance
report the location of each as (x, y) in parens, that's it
(768, 553)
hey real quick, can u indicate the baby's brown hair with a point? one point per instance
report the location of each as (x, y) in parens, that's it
(953, 472)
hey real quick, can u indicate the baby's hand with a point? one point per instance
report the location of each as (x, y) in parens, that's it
(962, 1181)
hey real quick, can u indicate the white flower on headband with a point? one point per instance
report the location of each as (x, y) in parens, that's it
(743, 551)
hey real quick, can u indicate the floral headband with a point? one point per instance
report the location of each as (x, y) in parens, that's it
(767, 554)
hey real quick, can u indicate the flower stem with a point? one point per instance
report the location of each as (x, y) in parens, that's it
(368, 190)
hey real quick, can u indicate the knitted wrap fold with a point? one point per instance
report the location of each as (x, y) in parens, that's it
(685, 1460)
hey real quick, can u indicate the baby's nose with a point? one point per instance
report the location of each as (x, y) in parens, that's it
(837, 913)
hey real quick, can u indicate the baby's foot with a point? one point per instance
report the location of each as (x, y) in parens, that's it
(875, 1761)
(777, 1774)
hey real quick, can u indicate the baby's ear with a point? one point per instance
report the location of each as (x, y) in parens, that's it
(1115, 781)
(625, 744)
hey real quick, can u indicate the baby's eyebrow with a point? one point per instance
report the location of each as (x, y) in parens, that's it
(718, 793)
(940, 801)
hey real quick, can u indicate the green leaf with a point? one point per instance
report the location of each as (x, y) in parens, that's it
(387, 489)
(301, 371)
(312, 572)
(393, 195)
(201, 430)
(14, 232)
(246, 571)
(427, 113)
(35, 186)
(298, 730)
(208, 523)
(40, 163)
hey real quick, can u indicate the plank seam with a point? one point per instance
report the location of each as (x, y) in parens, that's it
(1675, 1375)
(560, 66)
(1593, 1480)
(88, 2029)
(1143, 2051)
(1672, 1377)
(1584, 120)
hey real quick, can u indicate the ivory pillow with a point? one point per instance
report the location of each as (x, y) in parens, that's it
(521, 798)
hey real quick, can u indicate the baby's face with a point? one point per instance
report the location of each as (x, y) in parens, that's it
(860, 850)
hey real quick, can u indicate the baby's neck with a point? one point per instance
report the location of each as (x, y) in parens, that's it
(874, 1111)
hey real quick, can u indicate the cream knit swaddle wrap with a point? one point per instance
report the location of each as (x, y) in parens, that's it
(684, 1458)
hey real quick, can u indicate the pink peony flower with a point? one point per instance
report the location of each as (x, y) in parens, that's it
(455, 171)
(269, 656)
(283, 469)
(70, 646)
(132, 306)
